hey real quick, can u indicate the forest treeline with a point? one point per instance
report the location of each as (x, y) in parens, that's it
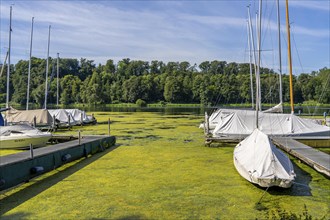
(209, 83)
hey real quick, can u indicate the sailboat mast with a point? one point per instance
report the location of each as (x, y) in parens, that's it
(279, 50)
(29, 71)
(8, 68)
(289, 56)
(250, 60)
(258, 24)
(258, 93)
(47, 66)
(252, 41)
(58, 70)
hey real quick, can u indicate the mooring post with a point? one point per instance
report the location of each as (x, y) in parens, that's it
(79, 137)
(109, 127)
(31, 151)
(54, 122)
(206, 125)
(34, 121)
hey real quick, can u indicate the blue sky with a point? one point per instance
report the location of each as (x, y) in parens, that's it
(187, 30)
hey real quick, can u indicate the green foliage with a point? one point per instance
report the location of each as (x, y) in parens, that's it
(141, 103)
(215, 82)
(279, 213)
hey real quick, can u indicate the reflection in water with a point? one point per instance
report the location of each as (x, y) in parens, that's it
(196, 110)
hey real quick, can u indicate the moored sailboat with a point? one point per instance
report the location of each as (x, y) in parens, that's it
(256, 158)
(20, 135)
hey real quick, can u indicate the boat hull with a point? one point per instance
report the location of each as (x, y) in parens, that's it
(262, 182)
(258, 160)
(21, 142)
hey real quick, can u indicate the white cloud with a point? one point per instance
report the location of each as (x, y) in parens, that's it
(313, 5)
(169, 31)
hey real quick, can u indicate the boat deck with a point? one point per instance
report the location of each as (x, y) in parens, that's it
(319, 160)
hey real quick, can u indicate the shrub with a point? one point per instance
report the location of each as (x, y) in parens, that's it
(141, 103)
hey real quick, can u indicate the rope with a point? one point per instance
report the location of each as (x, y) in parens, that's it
(294, 42)
(322, 94)
(263, 195)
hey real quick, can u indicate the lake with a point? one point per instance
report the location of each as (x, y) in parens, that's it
(160, 169)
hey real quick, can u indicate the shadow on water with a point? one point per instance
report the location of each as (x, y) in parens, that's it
(132, 217)
(19, 197)
(300, 186)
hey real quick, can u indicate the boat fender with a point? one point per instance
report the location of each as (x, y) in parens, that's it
(37, 169)
(85, 152)
(66, 157)
(2, 182)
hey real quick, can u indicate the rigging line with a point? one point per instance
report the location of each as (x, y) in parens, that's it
(322, 93)
(288, 155)
(268, 29)
(294, 42)
(218, 99)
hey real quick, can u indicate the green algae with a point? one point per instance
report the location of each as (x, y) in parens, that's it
(158, 173)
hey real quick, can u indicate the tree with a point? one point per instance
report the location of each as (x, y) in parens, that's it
(322, 86)
(86, 68)
(205, 66)
(109, 67)
(70, 90)
(173, 90)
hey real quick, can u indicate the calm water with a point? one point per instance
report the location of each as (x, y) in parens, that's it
(306, 110)
(196, 110)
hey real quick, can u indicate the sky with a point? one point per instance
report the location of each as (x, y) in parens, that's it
(186, 30)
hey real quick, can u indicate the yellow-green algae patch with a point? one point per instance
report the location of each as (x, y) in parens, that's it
(160, 169)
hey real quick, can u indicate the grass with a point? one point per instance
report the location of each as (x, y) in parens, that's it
(160, 169)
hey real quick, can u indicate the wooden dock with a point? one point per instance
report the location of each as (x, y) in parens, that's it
(318, 160)
(21, 167)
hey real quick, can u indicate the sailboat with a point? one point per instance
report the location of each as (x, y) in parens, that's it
(238, 124)
(279, 107)
(21, 135)
(63, 118)
(256, 158)
(217, 116)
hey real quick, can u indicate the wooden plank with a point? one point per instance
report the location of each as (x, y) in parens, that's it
(318, 160)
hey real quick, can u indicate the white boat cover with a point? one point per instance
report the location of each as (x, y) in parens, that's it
(78, 115)
(258, 160)
(242, 123)
(62, 116)
(81, 116)
(42, 116)
(215, 118)
(275, 109)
